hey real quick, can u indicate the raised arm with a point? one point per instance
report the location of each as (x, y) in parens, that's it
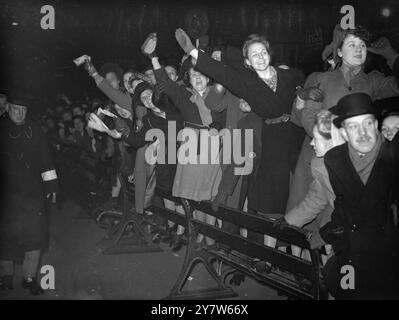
(385, 87)
(177, 93)
(122, 99)
(244, 84)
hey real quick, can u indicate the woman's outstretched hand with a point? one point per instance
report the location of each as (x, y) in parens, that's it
(184, 40)
(149, 45)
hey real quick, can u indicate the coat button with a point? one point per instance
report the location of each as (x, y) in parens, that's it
(353, 228)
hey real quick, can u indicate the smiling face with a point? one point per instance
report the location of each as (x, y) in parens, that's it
(217, 55)
(198, 81)
(17, 113)
(390, 127)
(353, 51)
(151, 77)
(126, 78)
(172, 73)
(146, 98)
(123, 112)
(361, 132)
(257, 56)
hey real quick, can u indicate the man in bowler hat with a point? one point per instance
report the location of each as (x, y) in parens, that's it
(364, 176)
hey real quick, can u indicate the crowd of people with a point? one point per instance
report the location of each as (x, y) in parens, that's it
(324, 158)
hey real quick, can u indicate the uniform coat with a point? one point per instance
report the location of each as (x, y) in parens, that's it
(28, 174)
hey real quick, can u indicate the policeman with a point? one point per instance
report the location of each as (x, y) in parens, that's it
(27, 178)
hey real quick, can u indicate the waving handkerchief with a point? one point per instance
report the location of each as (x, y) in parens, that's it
(82, 59)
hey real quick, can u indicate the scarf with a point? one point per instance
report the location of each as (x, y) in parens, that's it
(203, 110)
(350, 72)
(364, 164)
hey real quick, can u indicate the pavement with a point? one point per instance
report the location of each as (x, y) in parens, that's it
(83, 272)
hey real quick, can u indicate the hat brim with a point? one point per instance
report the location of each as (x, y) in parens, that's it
(339, 119)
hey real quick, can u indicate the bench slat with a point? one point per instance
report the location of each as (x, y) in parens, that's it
(256, 223)
(256, 250)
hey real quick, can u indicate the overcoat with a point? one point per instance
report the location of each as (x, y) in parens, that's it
(28, 174)
(361, 226)
(281, 142)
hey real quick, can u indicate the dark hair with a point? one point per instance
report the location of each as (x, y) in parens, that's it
(111, 67)
(359, 32)
(254, 38)
(390, 114)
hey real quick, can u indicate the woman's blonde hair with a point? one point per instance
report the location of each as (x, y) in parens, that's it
(255, 38)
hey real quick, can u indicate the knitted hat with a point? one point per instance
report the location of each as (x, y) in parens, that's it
(141, 87)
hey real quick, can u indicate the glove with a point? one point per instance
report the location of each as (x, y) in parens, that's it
(280, 223)
(184, 40)
(216, 125)
(311, 93)
(122, 127)
(149, 45)
(220, 198)
(91, 70)
(382, 47)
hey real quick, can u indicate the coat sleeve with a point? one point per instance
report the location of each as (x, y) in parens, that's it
(244, 84)
(47, 168)
(308, 114)
(137, 139)
(315, 202)
(384, 87)
(123, 100)
(177, 93)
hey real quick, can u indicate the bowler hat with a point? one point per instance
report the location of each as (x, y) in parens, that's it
(352, 105)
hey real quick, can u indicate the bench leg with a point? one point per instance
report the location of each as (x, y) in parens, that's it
(194, 256)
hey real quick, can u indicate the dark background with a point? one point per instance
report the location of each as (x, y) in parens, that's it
(40, 61)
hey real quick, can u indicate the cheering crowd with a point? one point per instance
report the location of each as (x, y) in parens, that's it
(324, 156)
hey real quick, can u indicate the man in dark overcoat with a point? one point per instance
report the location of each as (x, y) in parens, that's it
(28, 177)
(364, 176)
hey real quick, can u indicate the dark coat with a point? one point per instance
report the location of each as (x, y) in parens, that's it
(25, 158)
(360, 230)
(280, 142)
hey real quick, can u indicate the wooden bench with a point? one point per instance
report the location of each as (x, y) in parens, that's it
(289, 272)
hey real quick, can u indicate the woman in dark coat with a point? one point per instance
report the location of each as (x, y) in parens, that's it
(270, 92)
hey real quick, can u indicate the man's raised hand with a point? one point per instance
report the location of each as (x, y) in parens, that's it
(184, 40)
(149, 45)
